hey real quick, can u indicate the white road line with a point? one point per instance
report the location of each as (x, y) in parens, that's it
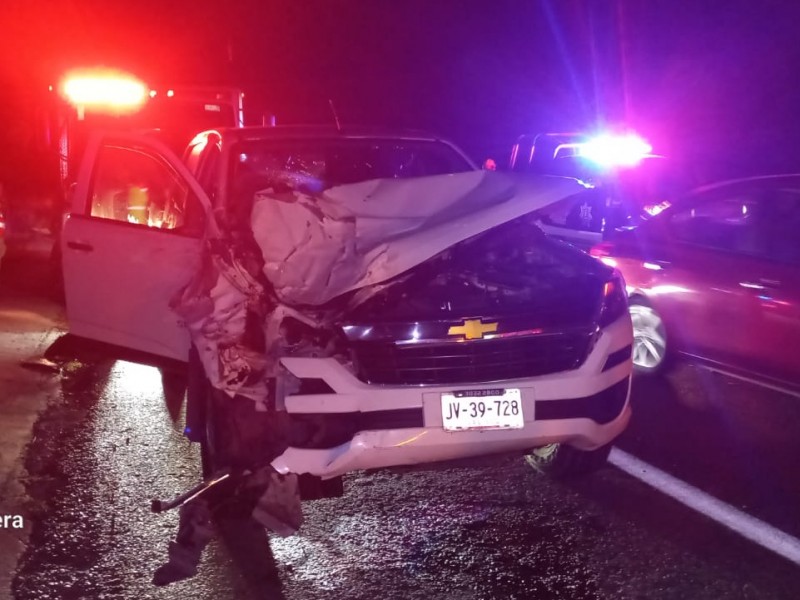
(747, 526)
(763, 384)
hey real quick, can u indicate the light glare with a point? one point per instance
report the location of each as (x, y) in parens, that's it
(656, 209)
(108, 91)
(608, 261)
(616, 151)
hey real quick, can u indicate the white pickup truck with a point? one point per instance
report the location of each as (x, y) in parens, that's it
(349, 300)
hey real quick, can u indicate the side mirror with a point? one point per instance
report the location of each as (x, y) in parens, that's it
(489, 165)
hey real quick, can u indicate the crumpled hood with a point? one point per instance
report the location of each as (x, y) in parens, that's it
(509, 271)
(316, 248)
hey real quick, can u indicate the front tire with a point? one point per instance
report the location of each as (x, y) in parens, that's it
(561, 461)
(202, 419)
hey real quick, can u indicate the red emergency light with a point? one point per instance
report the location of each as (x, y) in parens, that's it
(104, 91)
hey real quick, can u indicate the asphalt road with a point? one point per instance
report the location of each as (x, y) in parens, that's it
(110, 441)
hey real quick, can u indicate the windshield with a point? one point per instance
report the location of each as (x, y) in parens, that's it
(317, 164)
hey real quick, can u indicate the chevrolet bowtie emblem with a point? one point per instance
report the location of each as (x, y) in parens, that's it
(472, 329)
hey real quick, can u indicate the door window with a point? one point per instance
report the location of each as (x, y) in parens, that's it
(780, 226)
(762, 221)
(134, 186)
(726, 221)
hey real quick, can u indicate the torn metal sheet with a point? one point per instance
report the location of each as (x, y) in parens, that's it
(215, 307)
(319, 247)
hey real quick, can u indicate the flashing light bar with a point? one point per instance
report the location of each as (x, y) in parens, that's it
(615, 150)
(109, 91)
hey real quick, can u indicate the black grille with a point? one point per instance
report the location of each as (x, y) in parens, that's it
(601, 408)
(472, 361)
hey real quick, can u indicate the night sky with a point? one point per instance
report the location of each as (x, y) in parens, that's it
(719, 79)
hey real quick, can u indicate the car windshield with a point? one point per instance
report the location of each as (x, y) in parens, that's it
(317, 164)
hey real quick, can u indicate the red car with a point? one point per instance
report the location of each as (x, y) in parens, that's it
(716, 276)
(2, 230)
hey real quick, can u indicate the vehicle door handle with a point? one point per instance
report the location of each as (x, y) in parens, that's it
(761, 284)
(82, 246)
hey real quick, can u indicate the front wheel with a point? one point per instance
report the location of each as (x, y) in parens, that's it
(561, 461)
(649, 338)
(202, 418)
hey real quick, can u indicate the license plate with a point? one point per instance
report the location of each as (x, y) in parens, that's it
(482, 409)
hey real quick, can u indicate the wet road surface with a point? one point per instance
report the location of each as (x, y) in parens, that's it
(110, 441)
(493, 529)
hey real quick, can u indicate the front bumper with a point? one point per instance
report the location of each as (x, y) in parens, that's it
(561, 407)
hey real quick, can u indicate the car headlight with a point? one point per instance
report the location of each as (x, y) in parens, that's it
(615, 300)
